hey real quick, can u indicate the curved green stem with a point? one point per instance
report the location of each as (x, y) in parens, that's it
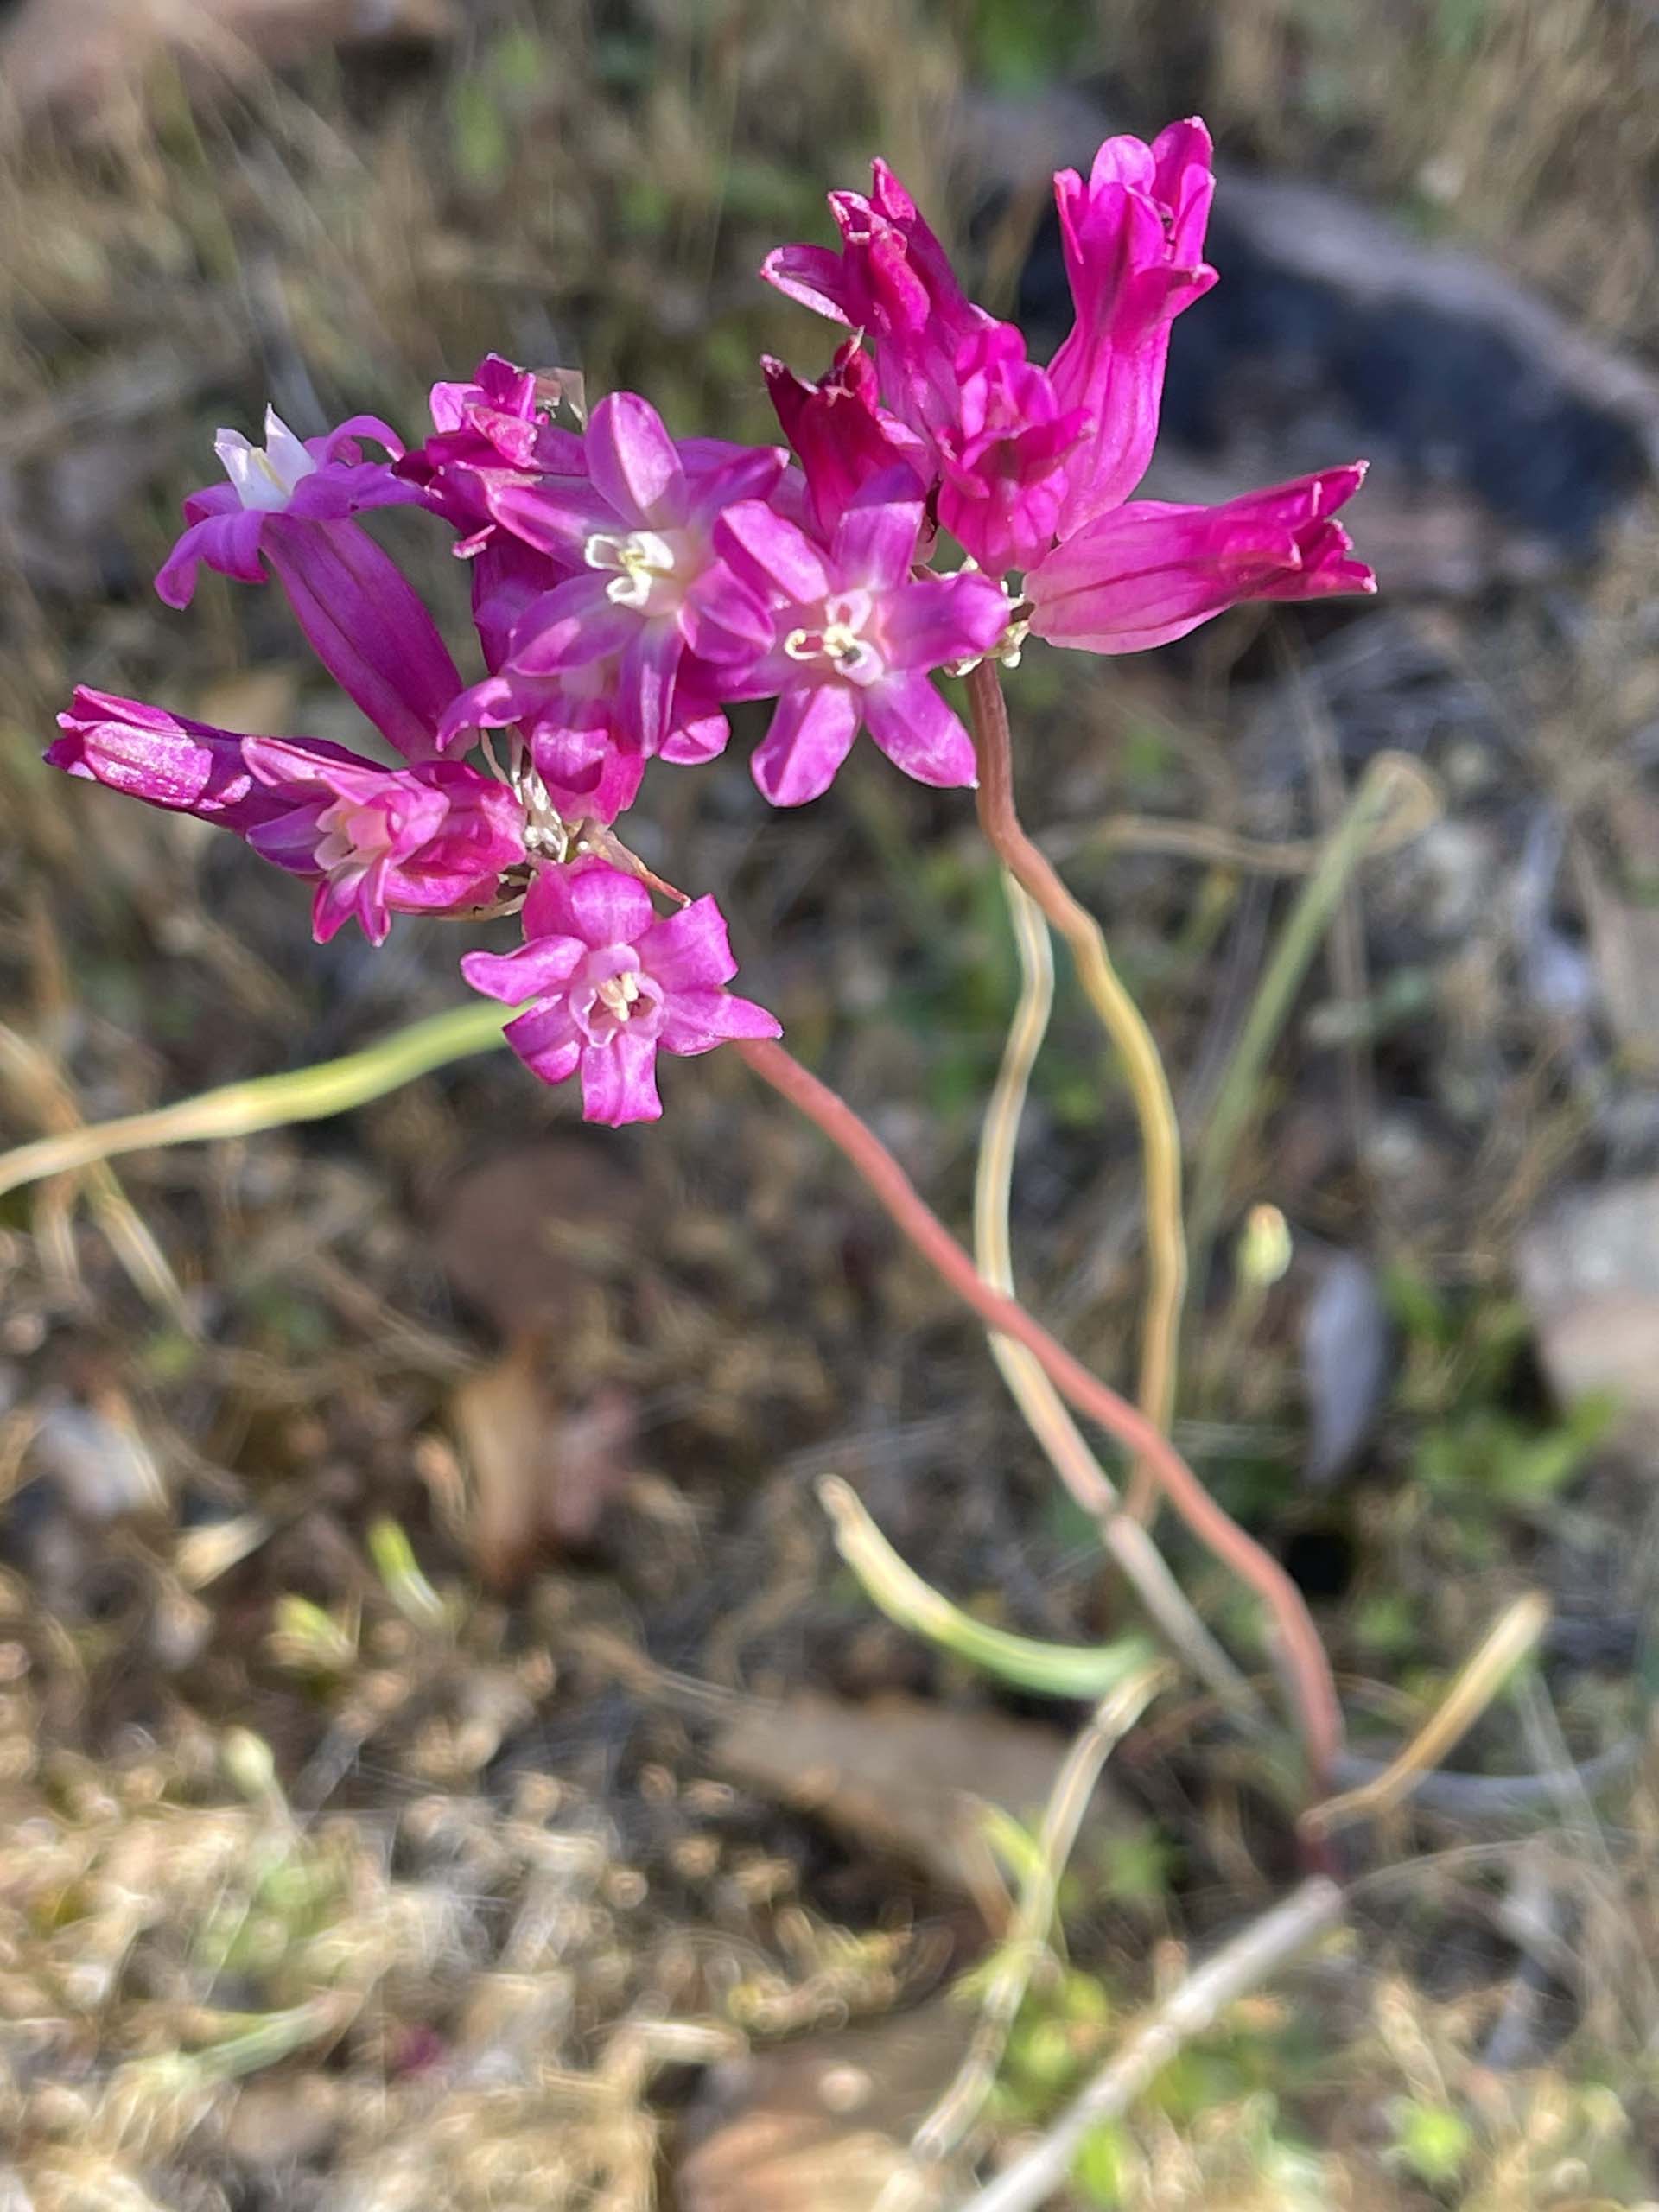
(270, 1102)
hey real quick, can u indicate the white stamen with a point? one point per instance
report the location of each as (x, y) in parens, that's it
(841, 641)
(620, 993)
(641, 559)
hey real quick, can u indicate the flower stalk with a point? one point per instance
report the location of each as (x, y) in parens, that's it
(1122, 1019)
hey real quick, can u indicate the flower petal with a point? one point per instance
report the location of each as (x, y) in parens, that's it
(875, 538)
(918, 733)
(546, 1041)
(690, 948)
(633, 462)
(618, 1081)
(696, 1021)
(812, 731)
(588, 900)
(773, 554)
(536, 969)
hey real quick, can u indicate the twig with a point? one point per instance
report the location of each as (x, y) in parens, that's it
(1318, 1714)
(1161, 1137)
(1040, 1403)
(1194, 2008)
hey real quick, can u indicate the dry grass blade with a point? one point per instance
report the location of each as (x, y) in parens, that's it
(1391, 782)
(1127, 1031)
(32, 1074)
(1479, 1682)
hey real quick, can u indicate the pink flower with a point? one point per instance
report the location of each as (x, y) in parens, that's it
(433, 838)
(1133, 238)
(604, 986)
(487, 434)
(857, 636)
(287, 505)
(892, 282)
(839, 435)
(648, 587)
(588, 766)
(1005, 460)
(1149, 572)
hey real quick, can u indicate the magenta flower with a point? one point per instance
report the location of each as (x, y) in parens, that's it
(857, 636)
(590, 768)
(487, 434)
(649, 587)
(432, 838)
(1149, 572)
(604, 986)
(841, 435)
(1005, 460)
(892, 282)
(1133, 238)
(287, 505)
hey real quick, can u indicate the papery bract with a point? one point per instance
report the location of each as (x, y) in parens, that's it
(1149, 572)
(858, 635)
(1133, 239)
(604, 986)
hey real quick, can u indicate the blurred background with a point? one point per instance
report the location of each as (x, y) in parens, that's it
(442, 1760)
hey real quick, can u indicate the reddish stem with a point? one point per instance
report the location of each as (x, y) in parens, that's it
(1304, 1655)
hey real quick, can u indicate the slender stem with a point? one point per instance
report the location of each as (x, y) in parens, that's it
(1318, 1713)
(1190, 2011)
(1045, 1410)
(1161, 1136)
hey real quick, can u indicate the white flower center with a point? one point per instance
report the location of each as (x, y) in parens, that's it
(264, 476)
(839, 642)
(621, 993)
(638, 561)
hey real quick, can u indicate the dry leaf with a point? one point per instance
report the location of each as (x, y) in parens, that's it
(821, 2126)
(517, 1235)
(541, 1473)
(905, 1776)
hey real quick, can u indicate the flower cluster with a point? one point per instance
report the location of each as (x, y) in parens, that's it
(629, 587)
